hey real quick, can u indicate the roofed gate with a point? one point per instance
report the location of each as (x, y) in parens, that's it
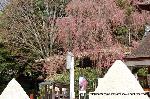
(140, 57)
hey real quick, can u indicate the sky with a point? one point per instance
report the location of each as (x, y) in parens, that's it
(3, 3)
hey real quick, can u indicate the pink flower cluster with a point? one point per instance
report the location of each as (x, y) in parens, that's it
(89, 26)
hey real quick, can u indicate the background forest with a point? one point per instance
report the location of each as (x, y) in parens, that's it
(36, 34)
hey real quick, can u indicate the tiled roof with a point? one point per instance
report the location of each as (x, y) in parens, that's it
(145, 5)
(146, 2)
(143, 49)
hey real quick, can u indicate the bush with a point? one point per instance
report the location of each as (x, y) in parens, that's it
(142, 72)
(90, 74)
(8, 67)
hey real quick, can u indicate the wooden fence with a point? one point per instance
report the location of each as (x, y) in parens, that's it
(51, 90)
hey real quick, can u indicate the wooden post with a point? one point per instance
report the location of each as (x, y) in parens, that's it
(53, 91)
(60, 90)
(129, 37)
(148, 70)
(59, 94)
(45, 91)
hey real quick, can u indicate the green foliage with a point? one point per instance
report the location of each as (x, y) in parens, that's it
(57, 5)
(124, 4)
(1, 13)
(39, 8)
(129, 10)
(139, 35)
(8, 67)
(5, 59)
(142, 72)
(121, 33)
(121, 3)
(90, 74)
(12, 66)
(143, 83)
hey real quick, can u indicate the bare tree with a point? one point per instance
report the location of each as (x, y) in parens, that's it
(31, 24)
